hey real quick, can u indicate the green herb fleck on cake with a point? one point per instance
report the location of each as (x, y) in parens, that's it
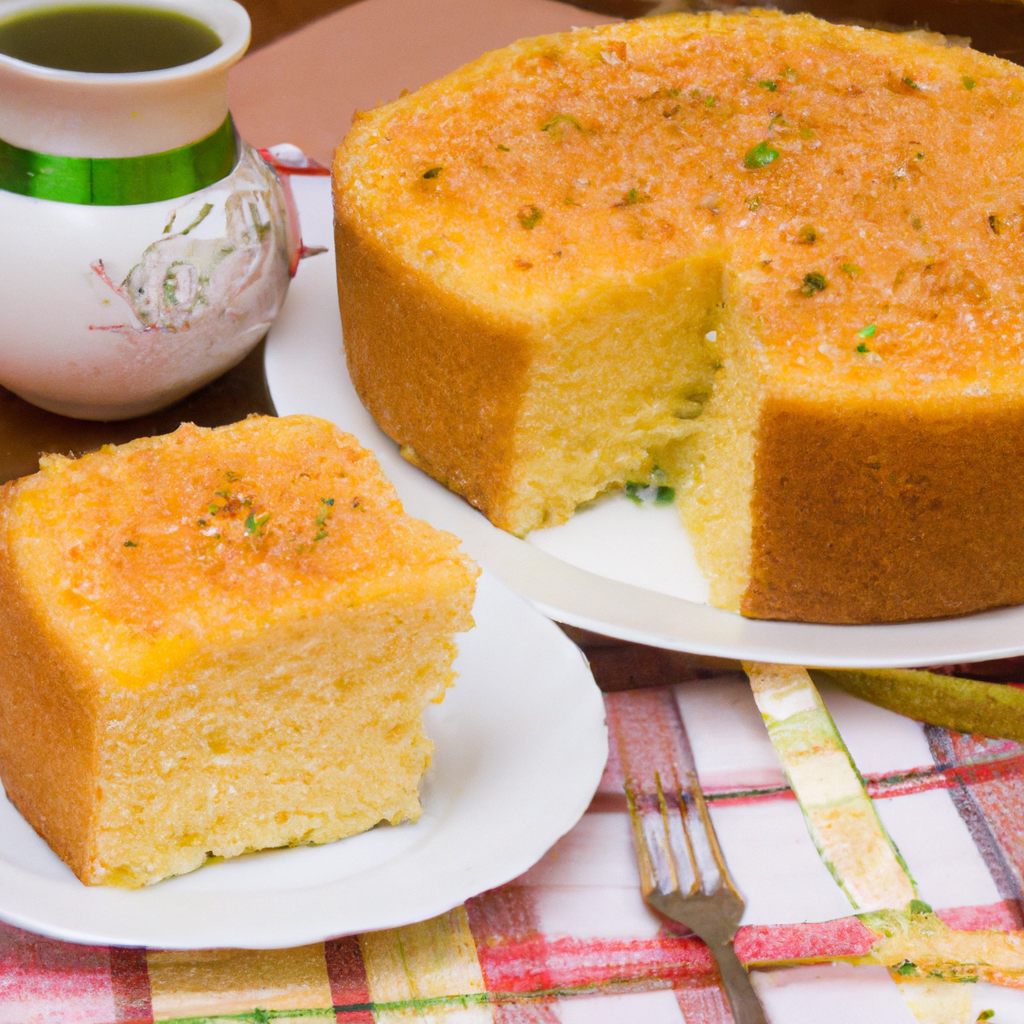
(868, 331)
(759, 156)
(911, 84)
(852, 269)
(503, 149)
(634, 196)
(254, 525)
(433, 172)
(753, 203)
(529, 217)
(657, 494)
(130, 544)
(863, 349)
(969, 84)
(322, 517)
(556, 126)
(813, 283)
(769, 83)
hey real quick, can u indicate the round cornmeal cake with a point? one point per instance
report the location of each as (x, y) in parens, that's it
(772, 263)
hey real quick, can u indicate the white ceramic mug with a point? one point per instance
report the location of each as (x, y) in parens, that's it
(113, 303)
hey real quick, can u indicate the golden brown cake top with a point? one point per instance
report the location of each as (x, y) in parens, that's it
(864, 189)
(168, 541)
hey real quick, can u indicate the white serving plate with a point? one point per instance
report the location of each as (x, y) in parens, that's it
(614, 568)
(520, 745)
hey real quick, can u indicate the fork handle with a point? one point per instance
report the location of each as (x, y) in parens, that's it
(746, 1007)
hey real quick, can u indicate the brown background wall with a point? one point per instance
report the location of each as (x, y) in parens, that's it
(274, 18)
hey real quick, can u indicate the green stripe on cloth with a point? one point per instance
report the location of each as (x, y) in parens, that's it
(120, 181)
(256, 1016)
(841, 817)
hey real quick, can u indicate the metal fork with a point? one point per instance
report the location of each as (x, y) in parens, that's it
(693, 888)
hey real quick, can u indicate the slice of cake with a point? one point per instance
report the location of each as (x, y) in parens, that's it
(218, 641)
(775, 259)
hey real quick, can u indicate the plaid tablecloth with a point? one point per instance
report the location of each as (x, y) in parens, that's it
(571, 941)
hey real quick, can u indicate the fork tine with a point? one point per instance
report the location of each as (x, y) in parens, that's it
(725, 879)
(672, 868)
(662, 829)
(697, 883)
(658, 839)
(656, 827)
(648, 881)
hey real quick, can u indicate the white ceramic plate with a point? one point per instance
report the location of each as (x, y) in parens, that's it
(520, 744)
(615, 568)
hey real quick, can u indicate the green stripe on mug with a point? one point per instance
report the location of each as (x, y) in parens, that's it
(119, 181)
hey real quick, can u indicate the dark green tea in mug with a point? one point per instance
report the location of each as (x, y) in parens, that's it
(106, 38)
